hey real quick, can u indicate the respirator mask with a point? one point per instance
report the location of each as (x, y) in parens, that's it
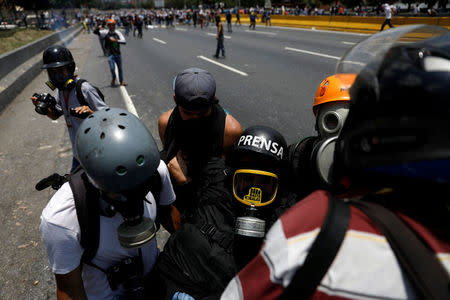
(255, 189)
(136, 230)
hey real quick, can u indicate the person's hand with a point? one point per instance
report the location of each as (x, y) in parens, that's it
(83, 109)
(217, 37)
(176, 171)
(112, 39)
(34, 100)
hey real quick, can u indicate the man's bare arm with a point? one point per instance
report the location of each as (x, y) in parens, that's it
(70, 286)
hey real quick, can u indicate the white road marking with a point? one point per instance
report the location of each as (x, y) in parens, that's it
(126, 98)
(318, 30)
(44, 147)
(159, 41)
(312, 53)
(348, 43)
(212, 34)
(261, 32)
(181, 29)
(222, 65)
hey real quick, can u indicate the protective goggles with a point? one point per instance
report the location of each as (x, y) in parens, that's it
(255, 187)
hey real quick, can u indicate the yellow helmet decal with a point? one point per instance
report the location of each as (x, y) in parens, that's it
(254, 195)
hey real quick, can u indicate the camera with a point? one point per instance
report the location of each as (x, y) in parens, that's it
(129, 273)
(46, 101)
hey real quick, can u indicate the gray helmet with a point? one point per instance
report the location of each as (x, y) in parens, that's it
(116, 150)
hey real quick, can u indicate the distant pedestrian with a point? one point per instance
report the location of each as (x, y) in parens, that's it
(268, 19)
(101, 39)
(388, 10)
(416, 10)
(238, 18)
(228, 17)
(220, 38)
(253, 18)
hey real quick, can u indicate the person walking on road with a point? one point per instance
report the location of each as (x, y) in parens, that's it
(238, 18)
(253, 18)
(388, 11)
(113, 39)
(220, 38)
(268, 19)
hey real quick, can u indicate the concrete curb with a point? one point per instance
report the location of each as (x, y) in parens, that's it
(27, 61)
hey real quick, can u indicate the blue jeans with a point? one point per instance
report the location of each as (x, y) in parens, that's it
(118, 61)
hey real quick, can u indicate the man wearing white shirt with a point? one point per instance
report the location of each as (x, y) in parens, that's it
(117, 168)
(388, 11)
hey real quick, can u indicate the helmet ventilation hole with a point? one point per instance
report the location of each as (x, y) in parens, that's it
(123, 114)
(87, 130)
(121, 170)
(90, 117)
(102, 136)
(104, 120)
(107, 109)
(140, 160)
(121, 126)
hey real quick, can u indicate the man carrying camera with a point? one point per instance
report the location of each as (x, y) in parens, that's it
(99, 228)
(75, 98)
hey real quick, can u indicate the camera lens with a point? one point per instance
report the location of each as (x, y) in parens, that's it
(41, 108)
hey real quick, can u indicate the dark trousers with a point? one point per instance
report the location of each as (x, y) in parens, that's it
(386, 22)
(220, 46)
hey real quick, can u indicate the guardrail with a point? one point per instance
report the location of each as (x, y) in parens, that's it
(345, 23)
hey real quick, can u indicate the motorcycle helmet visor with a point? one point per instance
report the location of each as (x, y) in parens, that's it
(255, 187)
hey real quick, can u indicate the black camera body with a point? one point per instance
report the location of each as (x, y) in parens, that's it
(46, 101)
(129, 273)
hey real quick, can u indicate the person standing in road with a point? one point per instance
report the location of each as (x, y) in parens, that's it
(113, 39)
(228, 17)
(220, 38)
(268, 19)
(253, 18)
(388, 11)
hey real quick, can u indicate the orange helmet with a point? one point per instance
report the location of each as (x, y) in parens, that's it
(333, 88)
(111, 21)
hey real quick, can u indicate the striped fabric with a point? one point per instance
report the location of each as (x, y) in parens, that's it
(364, 268)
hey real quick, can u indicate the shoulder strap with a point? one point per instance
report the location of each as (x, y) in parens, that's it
(170, 147)
(80, 93)
(420, 264)
(87, 213)
(223, 239)
(156, 186)
(322, 252)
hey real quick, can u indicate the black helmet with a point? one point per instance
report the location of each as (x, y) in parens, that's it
(399, 116)
(58, 56)
(264, 141)
(116, 150)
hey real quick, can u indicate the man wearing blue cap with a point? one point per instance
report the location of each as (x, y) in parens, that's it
(197, 129)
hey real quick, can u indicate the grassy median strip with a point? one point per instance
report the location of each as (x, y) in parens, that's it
(15, 38)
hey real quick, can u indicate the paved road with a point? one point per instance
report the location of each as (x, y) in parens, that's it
(278, 91)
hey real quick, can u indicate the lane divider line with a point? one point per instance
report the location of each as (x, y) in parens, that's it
(181, 29)
(212, 34)
(261, 32)
(126, 98)
(159, 41)
(223, 66)
(312, 53)
(348, 43)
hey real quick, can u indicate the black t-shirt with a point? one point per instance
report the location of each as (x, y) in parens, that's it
(113, 48)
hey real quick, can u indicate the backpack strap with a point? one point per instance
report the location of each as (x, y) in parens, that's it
(420, 264)
(80, 93)
(223, 239)
(322, 252)
(88, 214)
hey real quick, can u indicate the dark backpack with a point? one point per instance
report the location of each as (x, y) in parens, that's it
(79, 93)
(88, 211)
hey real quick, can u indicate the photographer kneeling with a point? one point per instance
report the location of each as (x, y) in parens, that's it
(99, 228)
(76, 98)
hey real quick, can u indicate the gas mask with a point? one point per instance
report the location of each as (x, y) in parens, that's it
(136, 230)
(60, 81)
(255, 189)
(322, 158)
(331, 118)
